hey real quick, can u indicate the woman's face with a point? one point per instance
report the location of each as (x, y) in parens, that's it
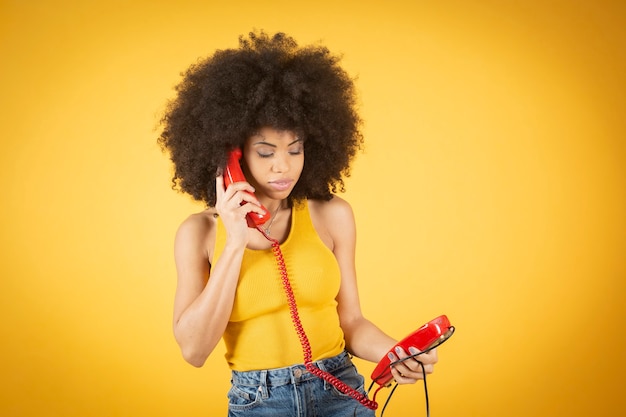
(274, 160)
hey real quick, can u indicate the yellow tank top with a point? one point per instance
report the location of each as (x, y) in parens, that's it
(260, 333)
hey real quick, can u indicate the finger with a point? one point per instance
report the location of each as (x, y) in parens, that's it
(402, 354)
(405, 377)
(399, 356)
(414, 366)
(246, 202)
(227, 197)
(240, 186)
(219, 185)
(430, 357)
(412, 369)
(414, 351)
(251, 207)
(239, 193)
(398, 360)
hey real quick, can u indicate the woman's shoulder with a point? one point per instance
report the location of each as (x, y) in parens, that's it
(203, 220)
(333, 220)
(334, 209)
(198, 229)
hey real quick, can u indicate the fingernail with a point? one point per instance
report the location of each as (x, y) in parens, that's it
(413, 351)
(398, 350)
(391, 356)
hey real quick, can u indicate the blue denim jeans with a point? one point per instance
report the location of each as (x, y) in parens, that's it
(293, 391)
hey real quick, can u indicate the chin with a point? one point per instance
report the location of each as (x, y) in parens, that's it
(279, 195)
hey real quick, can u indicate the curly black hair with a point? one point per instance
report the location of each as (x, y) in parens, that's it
(269, 81)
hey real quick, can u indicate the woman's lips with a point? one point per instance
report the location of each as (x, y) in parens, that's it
(281, 185)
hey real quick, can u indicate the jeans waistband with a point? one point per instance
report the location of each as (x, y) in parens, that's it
(290, 374)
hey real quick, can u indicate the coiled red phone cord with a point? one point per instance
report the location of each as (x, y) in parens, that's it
(304, 340)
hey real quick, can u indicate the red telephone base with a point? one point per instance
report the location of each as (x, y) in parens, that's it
(431, 334)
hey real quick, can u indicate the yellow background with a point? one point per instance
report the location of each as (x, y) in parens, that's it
(491, 189)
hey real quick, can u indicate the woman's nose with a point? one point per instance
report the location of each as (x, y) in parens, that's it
(281, 164)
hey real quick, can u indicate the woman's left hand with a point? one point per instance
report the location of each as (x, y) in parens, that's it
(410, 370)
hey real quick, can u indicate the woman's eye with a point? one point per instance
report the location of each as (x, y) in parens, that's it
(265, 155)
(297, 151)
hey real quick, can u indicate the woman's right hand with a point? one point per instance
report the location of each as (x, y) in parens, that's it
(233, 204)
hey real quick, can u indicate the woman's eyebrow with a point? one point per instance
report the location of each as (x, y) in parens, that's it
(262, 142)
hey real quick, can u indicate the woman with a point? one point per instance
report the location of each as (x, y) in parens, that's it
(291, 111)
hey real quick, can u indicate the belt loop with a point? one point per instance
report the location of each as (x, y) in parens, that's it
(263, 384)
(320, 365)
(293, 375)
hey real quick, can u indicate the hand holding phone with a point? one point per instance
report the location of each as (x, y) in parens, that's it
(233, 173)
(430, 335)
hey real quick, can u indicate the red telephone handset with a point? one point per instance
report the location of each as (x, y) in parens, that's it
(431, 334)
(233, 173)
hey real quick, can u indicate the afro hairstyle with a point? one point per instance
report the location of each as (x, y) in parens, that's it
(268, 81)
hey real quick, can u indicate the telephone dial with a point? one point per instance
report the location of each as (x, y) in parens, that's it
(425, 338)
